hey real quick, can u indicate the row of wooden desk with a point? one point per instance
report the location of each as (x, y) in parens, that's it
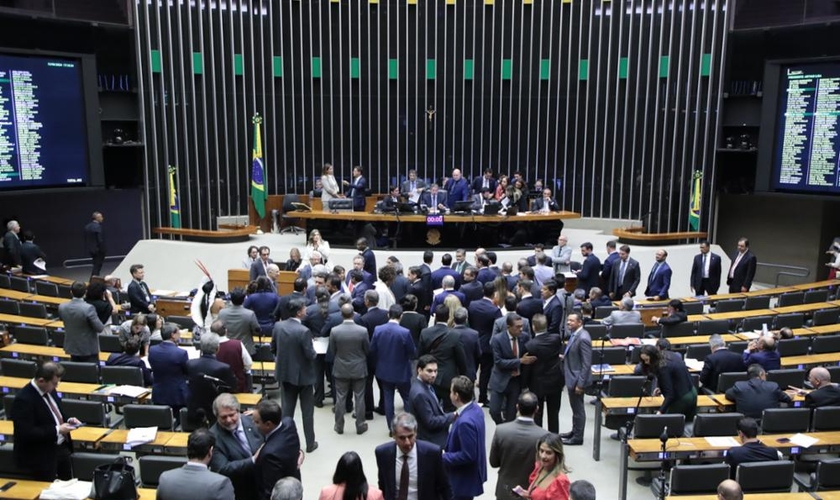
(31, 490)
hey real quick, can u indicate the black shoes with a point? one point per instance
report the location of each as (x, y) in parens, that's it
(362, 429)
(310, 449)
(572, 442)
(566, 435)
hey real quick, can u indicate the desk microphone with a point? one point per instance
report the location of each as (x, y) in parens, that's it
(664, 436)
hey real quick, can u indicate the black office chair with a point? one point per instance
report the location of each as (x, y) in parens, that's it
(791, 320)
(89, 412)
(108, 342)
(685, 329)
(65, 292)
(627, 331)
(187, 424)
(86, 373)
(651, 426)
(625, 386)
(185, 322)
(33, 310)
(698, 351)
(8, 404)
(728, 379)
(5, 282)
(18, 368)
(9, 307)
(85, 463)
(756, 323)
(693, 308)
(716, 424)
(122, 375)
(834, 371)
(826, 477)
(791, 299)
(785, 420)
(46, 289)
(826, 418)
(596, 331)
(710, 327)
(159, 416)
(56, 337)
(765, 477)
(826, 317)
(611, 356)
(787, 377)
(697, 479)
(730, 305)
(20, 284)
(33, 335)
(794, 347)
(288, 209)
(8, 465)
(152, 466)
(815, 296)
(825, 343)
(757, 303)
(602, 312)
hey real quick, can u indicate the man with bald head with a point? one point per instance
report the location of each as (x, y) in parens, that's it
(729, 490)
(763, 351)
(457, 187)
(825, 393)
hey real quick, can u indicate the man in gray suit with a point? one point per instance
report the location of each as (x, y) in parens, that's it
(81, 325)
(625, 314)
(349, 346)
(577, 367)
(194, 477)
(241, 323)
(512, 450)
(294, 353)
(237, 442)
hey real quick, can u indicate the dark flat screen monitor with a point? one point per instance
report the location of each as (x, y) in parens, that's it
(463, 206)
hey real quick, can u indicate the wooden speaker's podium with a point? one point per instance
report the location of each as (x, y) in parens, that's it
(240, 278)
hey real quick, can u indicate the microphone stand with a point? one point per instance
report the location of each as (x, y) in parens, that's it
(596, 450)
(663, 462)
(628, 427)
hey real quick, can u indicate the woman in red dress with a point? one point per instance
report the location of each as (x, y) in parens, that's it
(549, 480)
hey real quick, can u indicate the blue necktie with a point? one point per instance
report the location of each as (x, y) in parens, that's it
(569, 344)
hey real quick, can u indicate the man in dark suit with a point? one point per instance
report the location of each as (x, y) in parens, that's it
(169, 367)
(443, 343)
(195, 476)
(763, 351)
(95, 242)
(705, 271)
(457, 187)
(412, 320)
(241, 323)
(419, 290)
(391, 352)
(291, 343)
(349, 348)
(755, 395)
(367, 254)
(470, 286)
(356, 189)
(412, 187)
(12, 244)
(139, 294)
(625, 275)
(659, 279)
(825, 393)
(486, 181)
(282, 311)
(435, 199)
(721, 360)
(129, 357)
(374, 317)
(237, 441)
(545, 376)
(485, 274)
(509, 359)
(208, 377)
(410, 468)
(43, 445)
(359, 288)
(587, 275)
(432, 422)
(448, 283)
(465, 455)
(606, 270)
(528, 304)
(742, 270)
(260, 266)
(552, 307)
(29, 253)
(445, 270)
(400, 285)
(751, 449)
(512, 448)
(82, 326)
(577, 363)
(469, 342)
(278, 457)
(546, 203)
(483, 313)
(359, 265)
(460, 262)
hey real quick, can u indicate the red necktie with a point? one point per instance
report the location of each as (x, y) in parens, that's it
(53, 409)
(514, 344)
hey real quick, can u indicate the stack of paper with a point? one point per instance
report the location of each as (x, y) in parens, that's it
(67, 490)
(803, 440)
(693, 364)
(141, 435)
(131, 391)
(321, 344)
(602, 368)
(722, 441)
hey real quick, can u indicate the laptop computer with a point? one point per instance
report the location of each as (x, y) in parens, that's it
(492, 208)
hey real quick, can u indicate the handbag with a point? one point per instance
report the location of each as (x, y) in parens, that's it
(114, 481)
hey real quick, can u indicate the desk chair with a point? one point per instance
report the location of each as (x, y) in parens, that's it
(825, 343)
(716, 424)
(834, 371)
(108, 342)
(816, 296)
(698, 351)
(185, 322)
(20, 284)
(46, 288)
(756, 323)
(730, 305)
(159, 416)
(826, 317)
(625, 386)
(693, 308)
(826, 477)
(34, 335)
(765, 477)
(596, 331)
(794, 347)
(89, 412)
(602, 312)
(5, 281)
(56, 337)
(697, 479)
(288, 207)
(651, 426)
(33, 310)
(685, 329)
(18, 368)
(785, 420)
(85, 463)
(8, 404)
(712, 326)
(611, 356)
(787, 377)
(826, 418)
(8, 468)
(728, 379)
(791, 320)
(9, 307)
(64, 292)
(151, 468)
(791, 299)
(626, 331)
(757, 303)
(86, 373)
(122, 375)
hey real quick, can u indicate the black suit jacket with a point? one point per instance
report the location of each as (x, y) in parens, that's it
(749, 452)
(483, 314)
(137, 297)
(374, 317)
(444, 344)
(743, 274)
(753, 396)
(415, 323)
(434, 484)
(474, 290)
(370, 261)
(529, 306)
(472, 349)
(827, 395)
(419, 290)
(538, 204)
(714, 272)
(278, 458)
(432, 422)
(230, 460)
(720, 361)
(35, 447)
(554, 314)
(282, 312)
(546, 375)
(632, 276)
(203, 391)
(588, 275)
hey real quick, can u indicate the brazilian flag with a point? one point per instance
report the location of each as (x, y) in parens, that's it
(695, 202)
(174, 203)
(258, 171)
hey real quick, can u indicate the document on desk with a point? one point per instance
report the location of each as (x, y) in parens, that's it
(694, 364)
(751, 335)
(803, 440)
(320, 344)
(131, 391)
(141, 435)
(722, 441)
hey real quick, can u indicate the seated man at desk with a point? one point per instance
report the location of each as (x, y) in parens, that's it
(435, 199)
(763, 351)
(751, 449)
(625, 314)
(755, 395)
(129, 357)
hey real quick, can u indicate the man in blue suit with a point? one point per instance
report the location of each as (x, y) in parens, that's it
(278, 457)
(445, 270)
(237, 440)
(448, 284)
(391, 351)
(659, 280)
(367, 254)
(169, 367)
(408, 468)
(432, 422)
(465, 455)
(435, 199)
(552, 307)
(483, 313)
(528, 304)
(374, 317)
(606, 271)
(356, 189)
(587, 275)
(485, 181)
(470, 286)
(509, 356)
(469, 341)
(457, 187)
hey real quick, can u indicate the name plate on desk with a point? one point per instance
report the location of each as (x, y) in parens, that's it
(434, 220)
